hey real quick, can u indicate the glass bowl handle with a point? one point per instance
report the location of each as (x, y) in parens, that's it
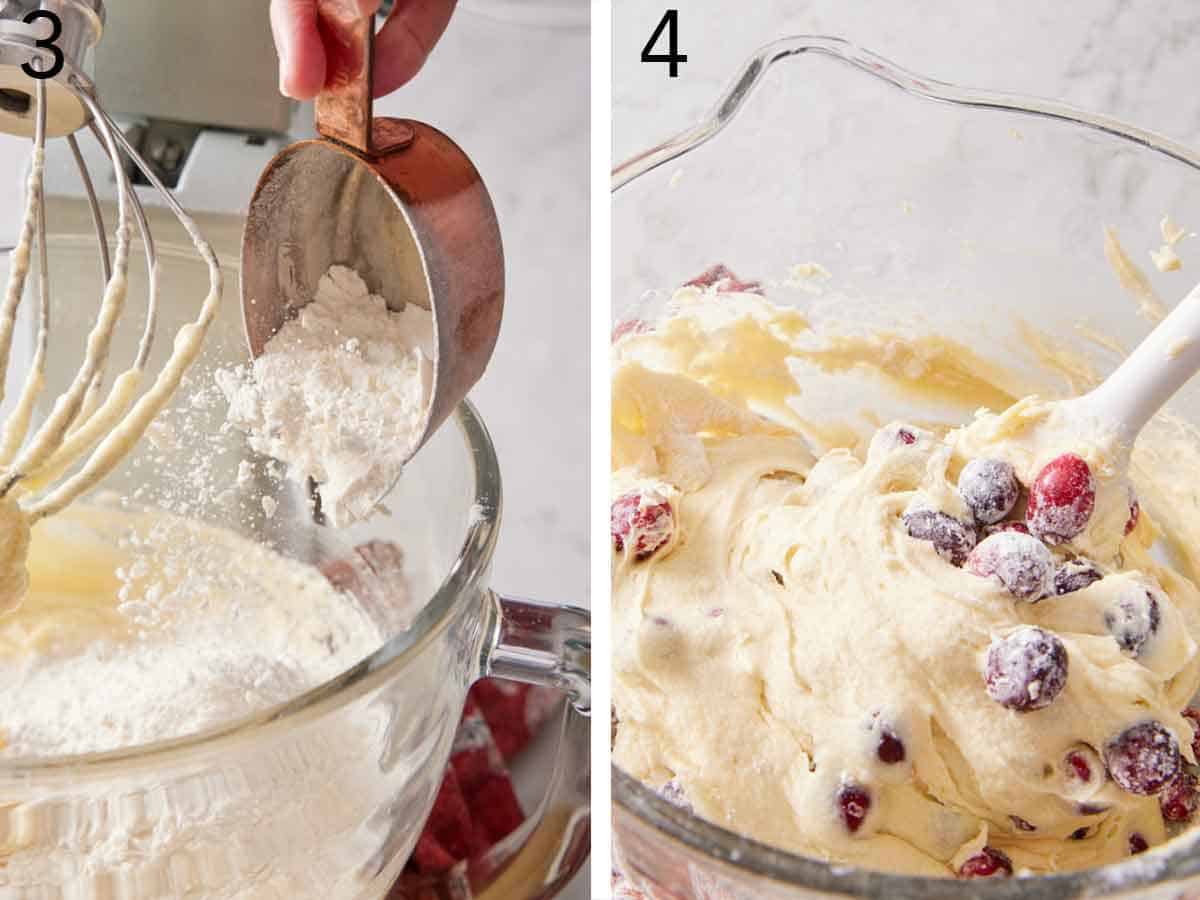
(549, 645)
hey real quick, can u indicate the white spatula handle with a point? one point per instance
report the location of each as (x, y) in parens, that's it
(1159, 367)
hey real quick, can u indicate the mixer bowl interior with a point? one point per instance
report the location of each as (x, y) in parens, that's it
(967, 218)
(325, 794)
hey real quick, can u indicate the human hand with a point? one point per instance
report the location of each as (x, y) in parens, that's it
(401, 46)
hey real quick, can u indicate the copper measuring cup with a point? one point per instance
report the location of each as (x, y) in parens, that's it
(394, 199)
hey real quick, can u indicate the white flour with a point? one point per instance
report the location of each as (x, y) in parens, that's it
(180, 628)
(339, 393)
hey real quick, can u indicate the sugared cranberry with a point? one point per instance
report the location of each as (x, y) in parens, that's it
(891, 748)
(1061, 499)
(1144, 758)
(646, 518)
(1020, 562)
(1022, 824)
(1192, 714)
(1137, 844)
(1083, 769)
(1074, 575)
(1135, 513)
(1001, 527)
(854, 803)
(1179, 799)
(629, 326)
(723, 281)
(990, 489)
(951, 538)
(1133, 618)
(1027, 669)
(987, 863)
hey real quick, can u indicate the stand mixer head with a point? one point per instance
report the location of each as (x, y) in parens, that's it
(394, 199)
(88, 431)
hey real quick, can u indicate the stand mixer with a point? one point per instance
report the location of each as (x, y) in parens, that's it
(45, 92)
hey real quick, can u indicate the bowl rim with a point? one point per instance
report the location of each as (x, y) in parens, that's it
(460, 583)
(1176, 858)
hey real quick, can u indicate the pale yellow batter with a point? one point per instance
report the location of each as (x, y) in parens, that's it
(778, 632)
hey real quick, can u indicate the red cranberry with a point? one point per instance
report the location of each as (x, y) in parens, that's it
(629, 326)
(1179, 799)
(1020, 562)
(1143, 759)
(987, 863)
(854, 803)
(1022, 824)
(1061, 499)
(1082, 769)
(990, 489)
(1133, 618)
(951, 538)
(647, 517)
(904, 436)
(722, 279)
(1137, 844)
(1026, 670)
(1192, 714)
(1074, 575)
(1135, 513)
(1002, 527)
(891, 748)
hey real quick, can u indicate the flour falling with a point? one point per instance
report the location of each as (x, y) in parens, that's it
(339, 394)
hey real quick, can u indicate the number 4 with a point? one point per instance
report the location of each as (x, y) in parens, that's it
(670, 24)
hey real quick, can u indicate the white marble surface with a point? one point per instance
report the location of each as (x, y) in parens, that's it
(1136, 59)
(516, 98)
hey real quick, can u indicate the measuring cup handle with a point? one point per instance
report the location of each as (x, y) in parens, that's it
(548, 645)
(344, 106)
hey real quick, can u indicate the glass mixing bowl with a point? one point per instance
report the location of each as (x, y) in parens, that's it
(957, 217)
(323, 796)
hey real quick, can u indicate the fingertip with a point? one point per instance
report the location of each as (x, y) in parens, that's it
(302, 61)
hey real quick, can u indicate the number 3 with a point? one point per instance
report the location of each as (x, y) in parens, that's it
(46, 44)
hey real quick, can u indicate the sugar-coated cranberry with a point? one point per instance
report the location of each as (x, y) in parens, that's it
(721, 279)
(987, 863)
(1074, 575)
(853, 803)
(1022, 824)
(1020, 562)
(1192, 714)
(1027, 669)
(1133, 618)
(1001, 527)
(990, 489)
(646, 519)
(1179, 799)
(1137, 844)
(952, 538)
(1144, 758)
(1061, 499)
